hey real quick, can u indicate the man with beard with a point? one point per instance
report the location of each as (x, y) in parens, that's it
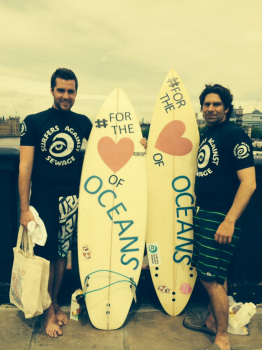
(225, 182)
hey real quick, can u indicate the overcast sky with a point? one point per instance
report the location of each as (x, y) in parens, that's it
(131, 44)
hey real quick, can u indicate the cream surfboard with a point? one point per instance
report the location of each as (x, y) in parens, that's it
(112, 212)
(171, 163)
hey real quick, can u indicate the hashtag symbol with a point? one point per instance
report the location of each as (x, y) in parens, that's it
(101, 123)
(173, 82)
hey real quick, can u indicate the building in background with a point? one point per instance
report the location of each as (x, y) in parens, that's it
(239, 116)
(253, 119)
(247, 121)
(144, 125)
(10, 126)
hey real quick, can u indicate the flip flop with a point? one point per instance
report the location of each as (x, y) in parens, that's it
(197, 324)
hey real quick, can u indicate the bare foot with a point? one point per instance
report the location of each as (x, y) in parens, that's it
(50, 323)
(223, 343)
(60, 315)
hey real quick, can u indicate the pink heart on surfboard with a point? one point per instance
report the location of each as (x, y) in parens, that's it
(115, 155)
(170, 139)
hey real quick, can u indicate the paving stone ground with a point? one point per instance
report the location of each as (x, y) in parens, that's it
(146, 328)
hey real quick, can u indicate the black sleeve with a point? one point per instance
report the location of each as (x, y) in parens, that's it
(27, 132)
(240, 148)
(88, 129)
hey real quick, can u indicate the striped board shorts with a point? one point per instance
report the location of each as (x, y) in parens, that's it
(210, 258)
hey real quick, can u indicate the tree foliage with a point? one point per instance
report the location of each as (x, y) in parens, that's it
(256, 133)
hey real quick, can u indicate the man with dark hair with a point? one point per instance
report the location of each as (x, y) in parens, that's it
(225, 182)
(49, 156)
(65, 74)
(223, 93)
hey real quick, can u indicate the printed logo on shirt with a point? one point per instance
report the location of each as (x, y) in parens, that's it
(203, 156)
(59, 144)
(62, 145)
(242, 150)
(207, 155)
(23, 129)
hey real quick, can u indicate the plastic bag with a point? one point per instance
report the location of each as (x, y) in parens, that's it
(239, 317)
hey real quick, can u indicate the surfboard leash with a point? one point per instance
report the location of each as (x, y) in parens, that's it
(128, 280)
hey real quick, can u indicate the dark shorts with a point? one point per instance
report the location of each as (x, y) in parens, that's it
(59, 215)
(209, 257)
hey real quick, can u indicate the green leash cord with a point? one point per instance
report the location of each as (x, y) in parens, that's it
(128, 280)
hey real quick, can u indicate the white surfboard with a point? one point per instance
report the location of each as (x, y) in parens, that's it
(112, 212)
(171, 161)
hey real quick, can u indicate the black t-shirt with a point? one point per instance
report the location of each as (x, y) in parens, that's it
(224, 149)
(57, 137)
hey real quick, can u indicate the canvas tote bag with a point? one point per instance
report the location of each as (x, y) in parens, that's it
(45, 297)
(29, 281)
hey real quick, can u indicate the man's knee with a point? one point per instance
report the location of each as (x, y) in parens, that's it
(213, 287)
(209, 285)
